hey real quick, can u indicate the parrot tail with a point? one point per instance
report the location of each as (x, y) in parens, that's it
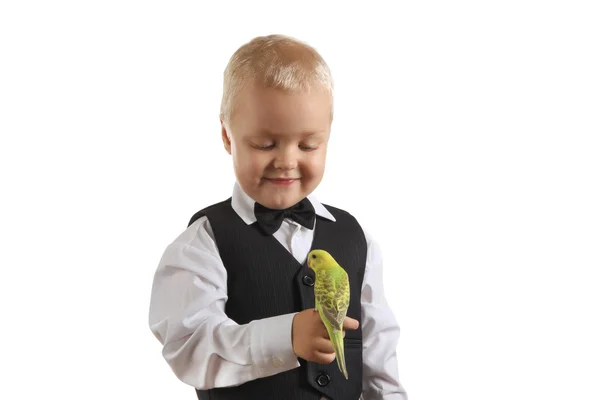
(338, 347)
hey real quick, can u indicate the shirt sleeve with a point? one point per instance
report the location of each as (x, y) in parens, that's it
(204, 348)
(380, 332)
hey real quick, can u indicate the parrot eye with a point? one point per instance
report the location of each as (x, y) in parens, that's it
(314, 256)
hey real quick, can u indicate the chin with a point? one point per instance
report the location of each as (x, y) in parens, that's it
(281, 203)
(281, 200)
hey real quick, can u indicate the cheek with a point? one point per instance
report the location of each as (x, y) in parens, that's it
(314, 165)
(251, 163)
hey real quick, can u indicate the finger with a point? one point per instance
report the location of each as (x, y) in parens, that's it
(323, 345)
(322, 331)
(350, 323)
(324, 358)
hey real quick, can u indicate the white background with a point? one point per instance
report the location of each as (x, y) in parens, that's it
(466, 139)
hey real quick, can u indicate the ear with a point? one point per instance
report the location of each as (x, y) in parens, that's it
(226, 137)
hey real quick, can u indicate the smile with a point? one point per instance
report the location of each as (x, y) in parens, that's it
(281, 181)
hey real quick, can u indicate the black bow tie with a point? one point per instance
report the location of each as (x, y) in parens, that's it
(270, 220)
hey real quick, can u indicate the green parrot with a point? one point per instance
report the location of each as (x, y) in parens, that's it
(332, 296)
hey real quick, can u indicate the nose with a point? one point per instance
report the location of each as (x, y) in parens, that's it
(286, 159)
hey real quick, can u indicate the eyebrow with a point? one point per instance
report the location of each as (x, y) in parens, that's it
(265, 132)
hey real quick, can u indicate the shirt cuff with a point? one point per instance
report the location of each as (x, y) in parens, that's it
(271, 345)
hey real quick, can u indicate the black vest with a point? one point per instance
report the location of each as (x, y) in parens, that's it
(265, 280)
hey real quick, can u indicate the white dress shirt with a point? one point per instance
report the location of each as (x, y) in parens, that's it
(206, 349)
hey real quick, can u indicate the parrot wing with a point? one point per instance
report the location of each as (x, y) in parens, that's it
(332, 291)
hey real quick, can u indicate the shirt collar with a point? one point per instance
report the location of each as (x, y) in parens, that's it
(243, 205)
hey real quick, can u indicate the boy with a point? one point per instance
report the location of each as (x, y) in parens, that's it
(232, 299)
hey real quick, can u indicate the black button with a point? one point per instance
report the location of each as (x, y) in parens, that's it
(323, 380)
(308, 281)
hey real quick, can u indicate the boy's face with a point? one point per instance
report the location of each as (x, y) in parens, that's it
(278, 142)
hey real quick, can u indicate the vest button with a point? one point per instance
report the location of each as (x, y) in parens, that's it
(308, 281)
(323, 379)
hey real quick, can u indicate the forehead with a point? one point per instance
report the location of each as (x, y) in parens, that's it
(275, 111)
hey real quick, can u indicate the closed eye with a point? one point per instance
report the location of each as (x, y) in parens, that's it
(307, 148)
(264, 146)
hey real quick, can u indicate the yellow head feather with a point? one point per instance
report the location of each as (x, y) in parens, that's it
(320, 259)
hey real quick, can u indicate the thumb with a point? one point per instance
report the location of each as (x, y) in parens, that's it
(350, 323)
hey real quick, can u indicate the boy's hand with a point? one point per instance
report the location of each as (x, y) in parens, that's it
(310, 339)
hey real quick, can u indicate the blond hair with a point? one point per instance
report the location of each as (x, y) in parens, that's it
(274, 61)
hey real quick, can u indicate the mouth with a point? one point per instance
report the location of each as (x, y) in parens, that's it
(281, 181)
